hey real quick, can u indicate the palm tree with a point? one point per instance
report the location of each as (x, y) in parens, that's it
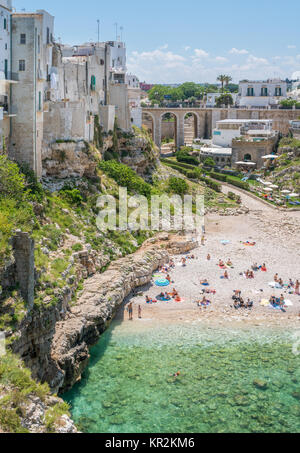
(222, 78)
(228, 79)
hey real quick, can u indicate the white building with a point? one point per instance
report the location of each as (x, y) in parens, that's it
(255, 94)
(228, 130)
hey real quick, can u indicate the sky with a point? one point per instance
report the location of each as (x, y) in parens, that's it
(174, 41)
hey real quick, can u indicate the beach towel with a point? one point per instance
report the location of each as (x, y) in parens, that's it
(288, 303)
(264, 302)
(225, 242)
(205, 284)
(162, 282)
(275, 285)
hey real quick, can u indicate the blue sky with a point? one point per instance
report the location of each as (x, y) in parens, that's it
(171, 41)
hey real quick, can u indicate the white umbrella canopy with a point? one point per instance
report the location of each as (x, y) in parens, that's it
(294, 195)
(286, 191)
(268, 190)
(268, 184)
(270, 156)
(274, 186)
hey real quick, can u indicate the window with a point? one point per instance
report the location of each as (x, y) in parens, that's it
(5, 46)
(264, 91)
(39, 44)
(22, 38)
(48, 35)
(250, 91)
(21, 65)
(40, 101)
(247, 158)
(5, 23)
(278, 91)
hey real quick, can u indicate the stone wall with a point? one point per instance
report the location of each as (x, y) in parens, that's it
(19, 270)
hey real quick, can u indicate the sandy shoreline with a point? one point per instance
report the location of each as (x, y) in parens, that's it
(277, 244)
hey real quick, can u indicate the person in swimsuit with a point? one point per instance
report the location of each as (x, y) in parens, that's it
(130, 311)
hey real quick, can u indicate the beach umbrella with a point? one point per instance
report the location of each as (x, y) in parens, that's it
(268, 184)
(162, 282)
(285, 191)
(294, 195)
(268, 190)
(270, 156)
(274, 186)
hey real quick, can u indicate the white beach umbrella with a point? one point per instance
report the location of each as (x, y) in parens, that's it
(268, 190)
(294, 195)
(274, 186)
(269, 156)
(285, 191)
(268, 184)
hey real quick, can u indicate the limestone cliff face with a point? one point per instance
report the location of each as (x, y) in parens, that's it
(68, 160)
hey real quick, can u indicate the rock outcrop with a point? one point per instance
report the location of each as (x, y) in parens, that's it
(102, 296)
(54, 340)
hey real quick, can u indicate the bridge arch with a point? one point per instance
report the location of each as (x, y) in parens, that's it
(191, 127)
(172, 130)
(148, 121)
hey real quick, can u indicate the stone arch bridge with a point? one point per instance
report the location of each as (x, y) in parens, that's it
(205, 120)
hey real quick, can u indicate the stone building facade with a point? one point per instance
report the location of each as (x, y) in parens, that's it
(251, 151)
(32, 43)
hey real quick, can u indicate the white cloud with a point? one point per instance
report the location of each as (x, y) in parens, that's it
(238, 51)
(291, 46)
(200, 53)
(256, 60)
(186, 48)
(162, 65)
(221, 59)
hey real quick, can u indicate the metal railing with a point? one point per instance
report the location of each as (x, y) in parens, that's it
(10, 75)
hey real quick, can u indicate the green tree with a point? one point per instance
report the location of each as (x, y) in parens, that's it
(209, 162)
(12, 182)
(222, 78)
(178, 186)
(225, 99)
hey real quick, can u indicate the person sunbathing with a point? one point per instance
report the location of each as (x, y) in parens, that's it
(167, 297)
(255, 267)
(242, 302)
(264, 268)
(174, 293)
(204, 282)
(229, 263)
(251, 274)
(226, 275)
(272, 300)
(291, 284)
(281, 301)
(276, 278)
(183, 261)
(297, 286)
(237, 304)
(208, 257)
(250, 303)
(168, 278)
(221, 263)
(148, 300)
(280, 282)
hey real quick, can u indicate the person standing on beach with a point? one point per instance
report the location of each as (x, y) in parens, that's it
(140, 312)
(130, 311)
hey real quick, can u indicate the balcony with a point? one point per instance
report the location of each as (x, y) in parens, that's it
(10, 77)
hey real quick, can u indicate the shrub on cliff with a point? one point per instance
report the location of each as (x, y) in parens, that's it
(126, 177)
(178, 186)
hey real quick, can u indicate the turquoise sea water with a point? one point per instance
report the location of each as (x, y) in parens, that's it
(128, 388)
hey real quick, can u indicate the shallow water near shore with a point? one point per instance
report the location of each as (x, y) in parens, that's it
(127, 387)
